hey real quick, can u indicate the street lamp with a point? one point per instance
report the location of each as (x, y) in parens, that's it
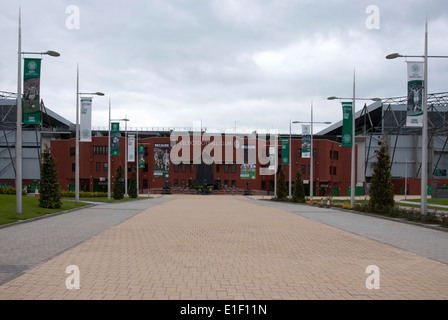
(311, 153)
(290, 164)
(424, 177)
(77, 134)
(352, 182)
(18, 147)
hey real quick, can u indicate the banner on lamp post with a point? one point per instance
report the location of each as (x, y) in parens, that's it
(414, 115)
(285, 151)
(272, 158)
(115, 139)
(306, 141)
(31, 91)
(85, 125)
(141, 156)
(347, 124)
(131, 148)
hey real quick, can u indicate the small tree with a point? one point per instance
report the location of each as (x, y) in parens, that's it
(381, 188)
(133, 186)
(119, 184)
(282, 192)
(299, 191)
(50, 191)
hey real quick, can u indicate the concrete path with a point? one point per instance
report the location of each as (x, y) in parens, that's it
(221, 247)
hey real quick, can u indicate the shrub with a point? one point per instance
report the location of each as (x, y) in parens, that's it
(119, 184)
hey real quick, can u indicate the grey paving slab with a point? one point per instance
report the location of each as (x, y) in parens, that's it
(423, 241)
(29, 243)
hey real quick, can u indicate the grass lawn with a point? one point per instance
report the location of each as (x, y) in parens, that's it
(30, 208)
(443, 201)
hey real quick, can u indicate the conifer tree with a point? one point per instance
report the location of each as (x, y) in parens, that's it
(119, 184)
(381, 188)
(282, 193)
(133, 186)
(50, 191)
(299, 191)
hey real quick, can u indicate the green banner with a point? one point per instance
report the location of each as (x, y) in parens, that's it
(31, 89)
(115, 139)
(285, 151)
(141, 156)
(347, 124)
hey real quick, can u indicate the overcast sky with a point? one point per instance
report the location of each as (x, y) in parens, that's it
(251, 64)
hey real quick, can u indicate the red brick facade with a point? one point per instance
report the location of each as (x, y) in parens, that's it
(331, 166)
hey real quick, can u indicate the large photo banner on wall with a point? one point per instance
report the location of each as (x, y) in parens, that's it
(85, 126)
(285, 151)
(161, 160)
(414, 115)
(31, 91)
(248, 167)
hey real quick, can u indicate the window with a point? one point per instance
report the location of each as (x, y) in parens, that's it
(182, 167)
(98, 166)
(226, 168)
(176, 183)
(72, 151)
(191, 167)
(73, 167)
(334, 171)
(303, 169)
(217, 168)
(182, 183)
(335, 155)
(176, 168)
(145, 184)
(105, 166)
(233, 184)
(233, 167)
(100, 150)
(300, 153)
(226, 184)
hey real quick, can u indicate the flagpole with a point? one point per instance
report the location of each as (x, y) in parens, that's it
(19, 124)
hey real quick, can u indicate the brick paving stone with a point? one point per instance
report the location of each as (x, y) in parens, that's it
(229, 247)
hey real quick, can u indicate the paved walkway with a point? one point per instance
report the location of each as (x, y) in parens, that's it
(220, 247)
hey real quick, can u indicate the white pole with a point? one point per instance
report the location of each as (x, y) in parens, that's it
(77, 139)
(406, 180)
(126, 157)
(19, 124)
(311, 158)
(136, 164)
(108, 158)
(353, 188)
(424, 176)
(289, 161)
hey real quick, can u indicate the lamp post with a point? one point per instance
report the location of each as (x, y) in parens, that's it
(109, 160)
(352, 166)
(18, 146)
(311, 151)
(77, 133)
(290, 164)
(424, 176)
